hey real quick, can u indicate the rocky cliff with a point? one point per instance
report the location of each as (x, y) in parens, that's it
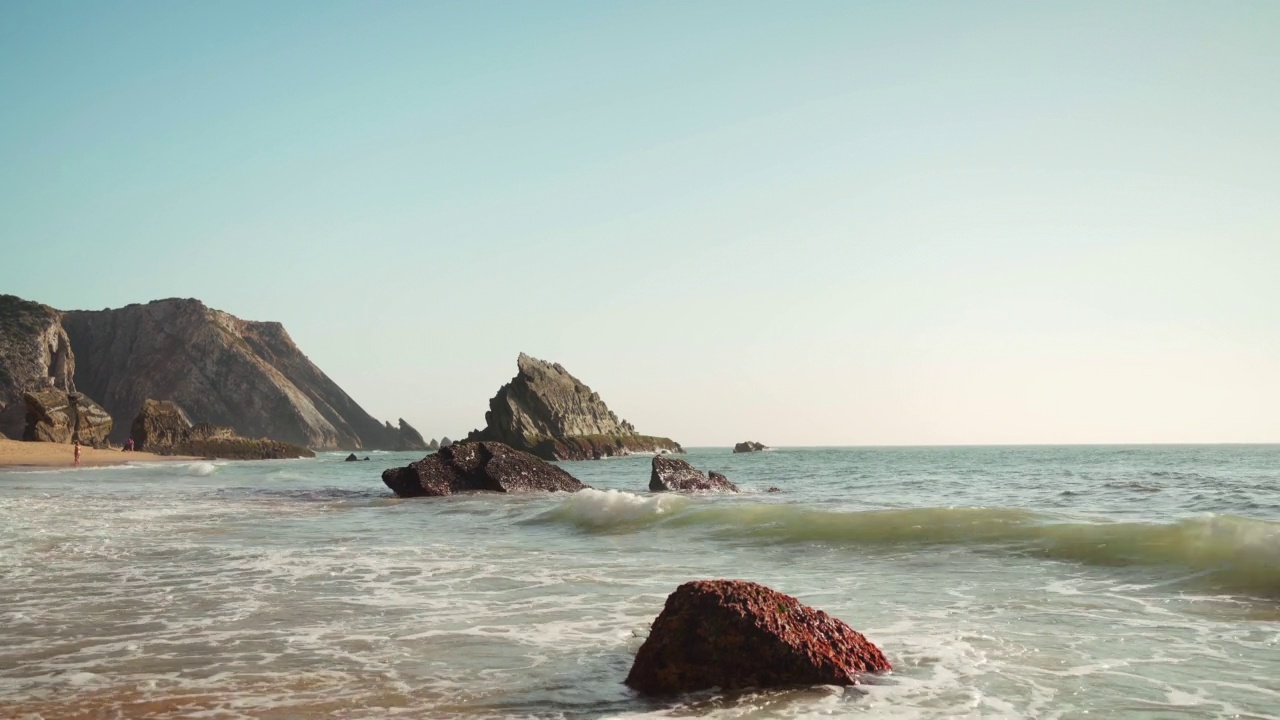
(221, 369)
(548, 412)
(35, 352)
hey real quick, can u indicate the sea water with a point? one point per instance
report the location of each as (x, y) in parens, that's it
(1068, 582)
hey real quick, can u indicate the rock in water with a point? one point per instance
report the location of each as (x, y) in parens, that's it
(352, 458)
(60, 417)
(735, 634)
(409, 438)
(546, 411)
(670, 473)
(445, 442)
(748, 447)
(473, 466)
(162, 427)
(227, 371)
(434, 445)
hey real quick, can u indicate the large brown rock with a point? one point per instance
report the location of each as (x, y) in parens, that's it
(548, 412)
(735, 634)
(60, 417)
(220, 368)
(159, 425)
(35, 355)
(162, 427)
(673, 474)
(478, 466)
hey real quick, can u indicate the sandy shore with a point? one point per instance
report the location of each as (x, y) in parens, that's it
(39, 454)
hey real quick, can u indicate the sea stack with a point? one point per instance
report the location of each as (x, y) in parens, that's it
(548, 412)
(749, 446)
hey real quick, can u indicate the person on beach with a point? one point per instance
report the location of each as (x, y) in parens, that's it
(77, 453)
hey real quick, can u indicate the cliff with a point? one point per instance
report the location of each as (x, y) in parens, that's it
(221, 369)
(35, 352)
(548, 412)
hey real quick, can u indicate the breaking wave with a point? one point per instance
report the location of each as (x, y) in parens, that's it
(1223, 552)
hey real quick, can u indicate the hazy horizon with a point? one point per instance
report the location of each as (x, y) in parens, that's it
(816, 224)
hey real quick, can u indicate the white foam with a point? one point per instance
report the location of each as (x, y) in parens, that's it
(201, 469)
(608, 508)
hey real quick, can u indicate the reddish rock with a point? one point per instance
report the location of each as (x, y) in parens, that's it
(473, 466)
(735, 634)
(670, 473)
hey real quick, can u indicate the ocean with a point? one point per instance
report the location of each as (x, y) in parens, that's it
(1001, 582)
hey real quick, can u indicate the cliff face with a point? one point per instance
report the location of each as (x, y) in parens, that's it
(221, 369)
(35, 352)
(550, 413)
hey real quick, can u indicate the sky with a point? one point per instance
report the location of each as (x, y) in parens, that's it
(808, 223)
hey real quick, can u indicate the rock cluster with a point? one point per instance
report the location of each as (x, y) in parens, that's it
(548, 412)
(749, 447)
(162, 427)
(673, 474)
(735, 634)
(62, 417)
(478, 466)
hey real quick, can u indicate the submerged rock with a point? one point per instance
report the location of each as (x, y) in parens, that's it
(351, 458)
(735, 634)
(749, 447)
(478, 466)
(61, 417)
(673, 474)
(162, 427)
(548, 412)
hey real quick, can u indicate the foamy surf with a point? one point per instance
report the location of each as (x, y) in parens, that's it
(614, 510)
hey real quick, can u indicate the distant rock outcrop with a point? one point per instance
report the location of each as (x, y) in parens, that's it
(445, 442)
(249, 375)
(673, 474)
(433, 445)
(478, 466)
(35, 355)
(546, 411)
(61, 417)
(734, 634)
(749, 447)
(162, 427)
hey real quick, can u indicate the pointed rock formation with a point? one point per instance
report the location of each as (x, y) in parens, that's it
(478, 466)
(673, 474)
(249, 375)
(735, 634)
(550, 413)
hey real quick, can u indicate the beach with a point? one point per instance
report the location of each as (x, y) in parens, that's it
(15, 454)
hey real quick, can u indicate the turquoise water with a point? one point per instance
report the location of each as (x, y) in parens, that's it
(1135, 582)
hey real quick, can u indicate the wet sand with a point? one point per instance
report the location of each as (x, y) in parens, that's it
(14, 453)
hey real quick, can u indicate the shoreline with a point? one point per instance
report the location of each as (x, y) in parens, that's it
(21, 454)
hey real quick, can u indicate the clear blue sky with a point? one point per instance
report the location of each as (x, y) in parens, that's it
(802, 223)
